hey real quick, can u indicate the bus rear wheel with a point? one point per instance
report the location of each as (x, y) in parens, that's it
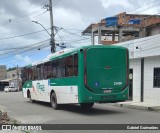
(87, 105)
(53, 100)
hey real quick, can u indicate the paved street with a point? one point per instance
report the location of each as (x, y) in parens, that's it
(26, 112)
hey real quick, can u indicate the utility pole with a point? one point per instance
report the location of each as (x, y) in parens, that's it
(18, 87)
(52, 28)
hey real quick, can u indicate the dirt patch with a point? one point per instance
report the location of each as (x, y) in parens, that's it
(5, 119)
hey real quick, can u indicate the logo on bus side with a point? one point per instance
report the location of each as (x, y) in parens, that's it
(40, 87)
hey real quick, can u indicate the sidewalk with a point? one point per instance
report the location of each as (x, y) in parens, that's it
(139, 105)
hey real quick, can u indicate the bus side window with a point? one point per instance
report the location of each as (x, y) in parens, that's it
(69, 71)
(47, 70)
(62, 67)
(49, 73)
(53, 69)
(76, 65)
(38, 72)
(29, 73)
(41, 71)
(33, 73)
(59, 68)
(26, 73)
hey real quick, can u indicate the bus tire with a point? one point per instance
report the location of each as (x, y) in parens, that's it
(30, 98)
(87, 105)
(53, 101)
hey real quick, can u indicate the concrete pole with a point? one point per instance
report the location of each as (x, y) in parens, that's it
(113, 37)
(92, 38)
(99, 34)
(17, 79)
(120, 35)
(52, 28)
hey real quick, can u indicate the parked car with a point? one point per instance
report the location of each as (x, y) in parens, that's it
(10, 89)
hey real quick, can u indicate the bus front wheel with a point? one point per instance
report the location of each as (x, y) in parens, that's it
(87, 105)
(54, 104)
(30, 99)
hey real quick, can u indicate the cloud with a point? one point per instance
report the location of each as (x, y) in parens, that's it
(69, 14)
(25, 60)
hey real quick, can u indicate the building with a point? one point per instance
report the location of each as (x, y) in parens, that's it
(3, 72)
(123, 27)
(11, 78)
(14, 78)
(3, 75)
(144, 69)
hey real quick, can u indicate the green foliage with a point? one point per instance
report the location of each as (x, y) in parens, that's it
(10, 69)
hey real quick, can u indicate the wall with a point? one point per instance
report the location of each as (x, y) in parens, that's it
(135, 64)
(155, 31)
(151, 94)
(13, 73)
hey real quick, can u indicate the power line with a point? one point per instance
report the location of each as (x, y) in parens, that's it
(24, 19)
(26, 45)
(73, 33)
(151, 6)
(55, 2)
(42, 45)
(23, 34)
(142, 6)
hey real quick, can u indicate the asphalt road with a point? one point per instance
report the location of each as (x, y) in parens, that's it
(41, 113)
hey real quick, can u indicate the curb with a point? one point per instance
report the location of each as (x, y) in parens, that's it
(157, 108)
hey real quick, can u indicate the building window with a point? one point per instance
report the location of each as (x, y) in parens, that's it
(156, 77)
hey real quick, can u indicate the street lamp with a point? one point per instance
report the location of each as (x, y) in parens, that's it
(51, 35)
(52, 38)
(42, 26)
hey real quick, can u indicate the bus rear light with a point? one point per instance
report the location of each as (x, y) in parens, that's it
(85, 79)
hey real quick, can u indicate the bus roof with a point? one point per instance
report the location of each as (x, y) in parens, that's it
(69, 51)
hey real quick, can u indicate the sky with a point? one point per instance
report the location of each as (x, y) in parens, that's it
(23, 41)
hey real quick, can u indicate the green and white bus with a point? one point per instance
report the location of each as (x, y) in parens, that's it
(79, 76)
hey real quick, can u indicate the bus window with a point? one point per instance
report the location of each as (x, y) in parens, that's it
(23, 73)
(39, 72)
(53, 69)
(42, 73)
(69, 71)
(59, 67)
(47, 70)
(26, 74)
(35, 73)
(30, 73)
(63, 66)
(76, 65)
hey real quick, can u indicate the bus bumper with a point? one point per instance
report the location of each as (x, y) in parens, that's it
(105, 98)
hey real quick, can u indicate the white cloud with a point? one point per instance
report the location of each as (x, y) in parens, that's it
(107, 3)
(69, 14)
(68, 18)
(26, 60)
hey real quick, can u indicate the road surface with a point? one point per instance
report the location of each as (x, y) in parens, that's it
(41, 113)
